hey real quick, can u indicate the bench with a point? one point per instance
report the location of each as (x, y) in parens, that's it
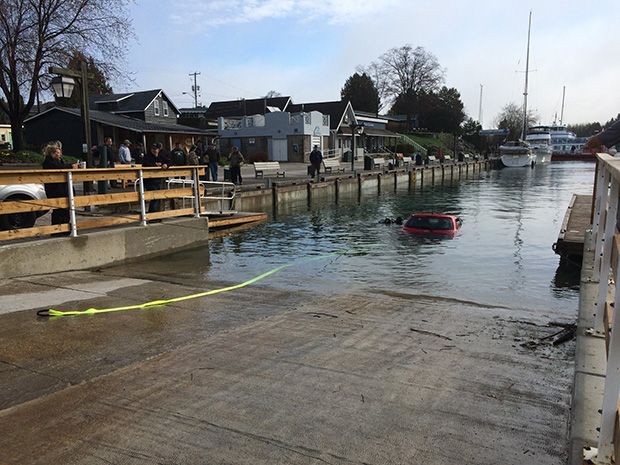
(260, 167)
(432, 160)
(331, 164)
(407, 161)
(447, 159)
(378, 162)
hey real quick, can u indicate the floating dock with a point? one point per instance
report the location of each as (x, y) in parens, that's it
(238, 219)
(570, 241)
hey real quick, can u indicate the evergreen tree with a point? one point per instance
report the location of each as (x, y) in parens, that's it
(361, 92)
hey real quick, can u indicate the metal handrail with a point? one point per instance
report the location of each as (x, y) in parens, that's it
(228, 192)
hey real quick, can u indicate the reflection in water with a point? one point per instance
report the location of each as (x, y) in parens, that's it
(501, 255)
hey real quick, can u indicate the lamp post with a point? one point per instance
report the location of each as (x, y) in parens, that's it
(63, 84)
(355, 129)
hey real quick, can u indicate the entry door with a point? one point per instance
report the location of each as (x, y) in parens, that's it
(279, 150)
(317, 140)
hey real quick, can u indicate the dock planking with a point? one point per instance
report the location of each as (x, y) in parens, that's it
(572, 233)
(238, 219)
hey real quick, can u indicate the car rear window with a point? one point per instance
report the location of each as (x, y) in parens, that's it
(429, 222)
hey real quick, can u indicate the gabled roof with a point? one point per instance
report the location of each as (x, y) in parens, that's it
(131, 102)
(244, 107)
(335, 110)
(125, 122)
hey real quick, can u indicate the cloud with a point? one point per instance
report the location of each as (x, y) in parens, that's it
(216, 13)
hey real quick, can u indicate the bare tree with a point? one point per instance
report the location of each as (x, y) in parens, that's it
(36, 34)
(511, 118)
(411, 70)
(273, 94)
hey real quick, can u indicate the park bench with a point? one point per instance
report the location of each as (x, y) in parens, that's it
(407, 161)
(331, 165)
(432, 160)
(447, 159)
(378, 162)
(260, 167)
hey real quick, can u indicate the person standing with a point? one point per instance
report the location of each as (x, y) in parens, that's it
(53, 161)
(316, 158)
(235, 159)
(106, 160)
(124, 153)
(203, 159)
(137, 153)
(214, 160)
(178, 156)
(152, 159)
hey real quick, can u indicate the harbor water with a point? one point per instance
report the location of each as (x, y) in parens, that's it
(502, 255)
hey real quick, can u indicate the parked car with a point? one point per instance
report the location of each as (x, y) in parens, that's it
(11, 192)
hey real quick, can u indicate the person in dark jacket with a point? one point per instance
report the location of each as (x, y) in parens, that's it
(316, 158)
(53, 161)
(178, 157)
(607, 138)
(153, 159)
(214, 160)
(235, 159)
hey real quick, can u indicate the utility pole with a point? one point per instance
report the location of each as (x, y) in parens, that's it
(480, 107)
(195, 88)
(562, 113)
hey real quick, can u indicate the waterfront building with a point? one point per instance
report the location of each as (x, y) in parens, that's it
(145, 116)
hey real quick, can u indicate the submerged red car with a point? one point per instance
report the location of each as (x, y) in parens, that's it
(432, 223)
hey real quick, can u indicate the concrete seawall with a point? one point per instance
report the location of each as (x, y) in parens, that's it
(100, 248)
(261, 198)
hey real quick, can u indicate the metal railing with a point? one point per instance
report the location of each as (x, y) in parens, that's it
(605, 242)
(220, 192)
(73, 202)
(410, 141)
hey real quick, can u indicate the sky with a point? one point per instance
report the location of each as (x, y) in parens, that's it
(307, 49)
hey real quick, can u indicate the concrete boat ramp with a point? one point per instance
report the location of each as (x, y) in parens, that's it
(264, 375)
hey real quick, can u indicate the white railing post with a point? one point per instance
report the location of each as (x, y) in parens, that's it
(72, 220)
(605, 262)
(196, 179)
(600, 224)
(142, 201)
(612, 387)
(598, 194)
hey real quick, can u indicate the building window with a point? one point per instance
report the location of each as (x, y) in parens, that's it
(156, 104)
(165, 108)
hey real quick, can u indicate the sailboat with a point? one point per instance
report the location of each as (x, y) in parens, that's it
(519, 153)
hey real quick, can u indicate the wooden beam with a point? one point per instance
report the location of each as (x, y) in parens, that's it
(607, 319)
(21, 206)
(107, 221)
(170, 214)
(169, 193)
(222, 222)
(33, 232)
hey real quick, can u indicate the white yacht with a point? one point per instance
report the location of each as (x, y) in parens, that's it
(565, 145)
(540, 143)
(516, 154)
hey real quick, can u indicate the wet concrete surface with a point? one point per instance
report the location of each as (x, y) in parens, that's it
(263, 375)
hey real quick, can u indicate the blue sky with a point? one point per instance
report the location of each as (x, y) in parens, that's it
(307, 49)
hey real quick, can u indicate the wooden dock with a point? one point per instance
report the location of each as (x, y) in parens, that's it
(572, 233)
(238, 219)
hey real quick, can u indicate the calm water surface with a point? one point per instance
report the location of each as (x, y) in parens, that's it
(502, 255)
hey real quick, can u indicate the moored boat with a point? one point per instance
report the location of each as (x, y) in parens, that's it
(540, 143)
(516, 154)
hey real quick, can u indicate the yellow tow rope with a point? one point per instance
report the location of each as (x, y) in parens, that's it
(157, 303)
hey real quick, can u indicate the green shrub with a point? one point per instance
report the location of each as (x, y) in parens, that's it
(27, 156)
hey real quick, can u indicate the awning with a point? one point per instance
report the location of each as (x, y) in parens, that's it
(373, 132)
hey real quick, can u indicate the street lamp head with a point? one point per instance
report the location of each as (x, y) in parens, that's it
(63, 86)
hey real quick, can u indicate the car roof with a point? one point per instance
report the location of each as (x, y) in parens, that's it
(434, 215)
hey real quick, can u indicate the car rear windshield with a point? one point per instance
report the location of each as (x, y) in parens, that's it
(429, 222)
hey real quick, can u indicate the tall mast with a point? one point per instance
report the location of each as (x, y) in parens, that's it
(480, 107)
(562, 113)
(527, 72)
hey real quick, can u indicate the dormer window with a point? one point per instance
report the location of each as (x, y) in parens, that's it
(165, 108)
(156, 104)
